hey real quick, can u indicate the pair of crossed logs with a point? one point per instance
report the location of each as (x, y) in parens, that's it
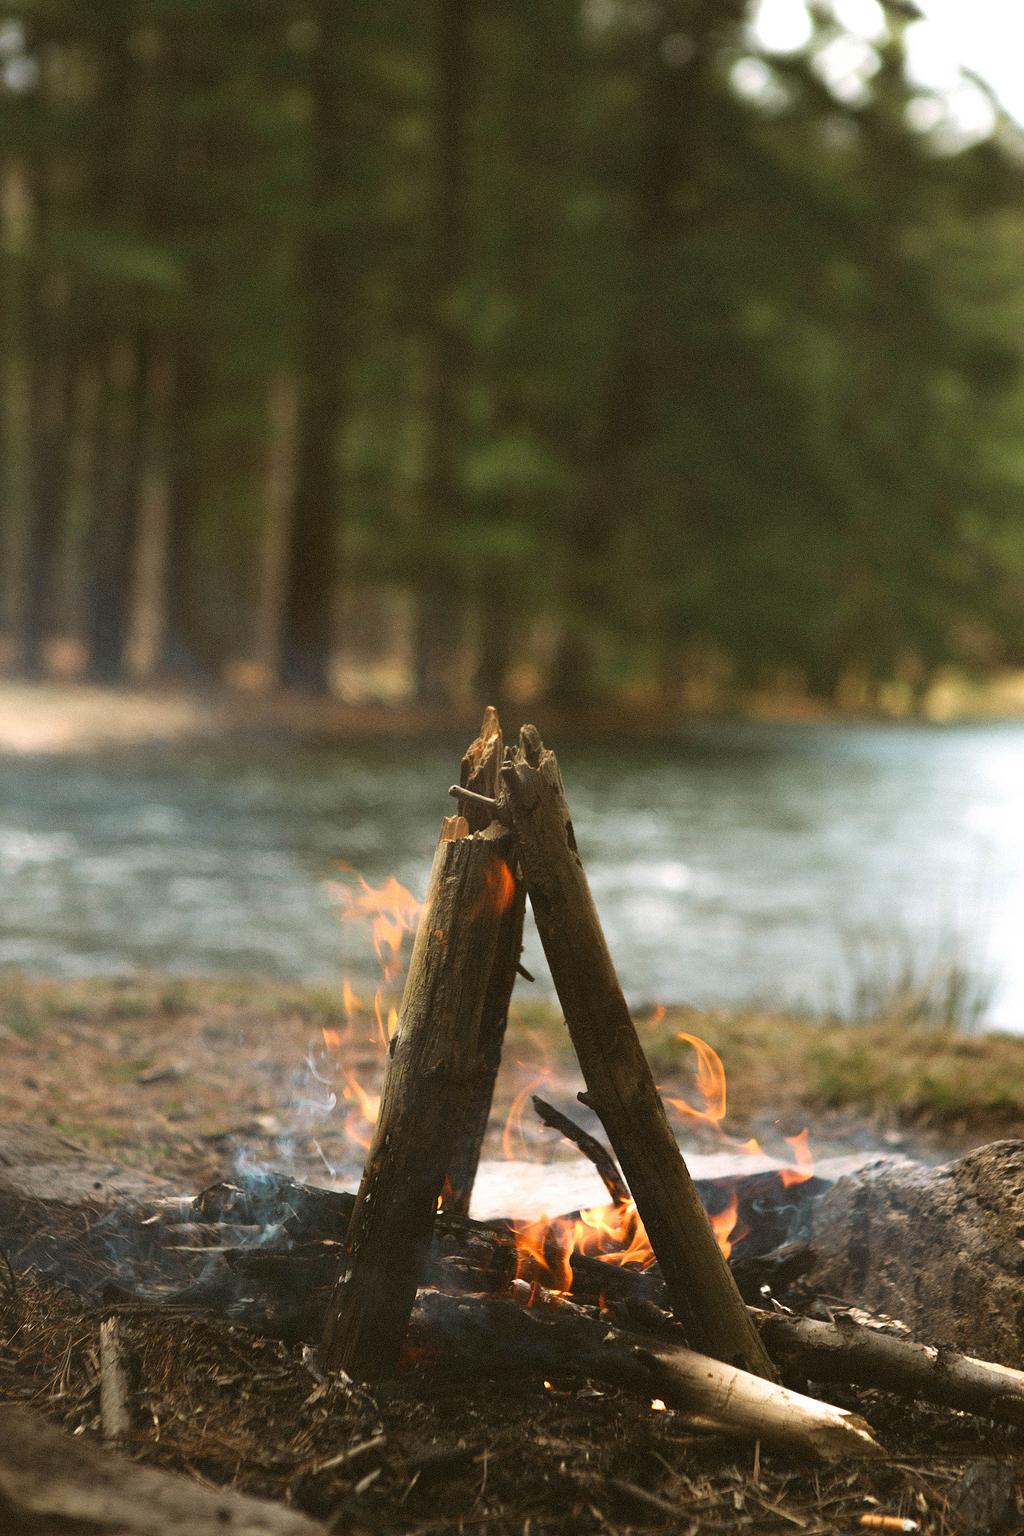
(515, 839)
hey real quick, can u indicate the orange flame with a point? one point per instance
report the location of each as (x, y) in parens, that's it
(332, 1039)
(393, 911)
(350, 1002)
(544, 1247)
(804, 1169)
(656, 1017)
(710, 1084)
(365, 1110)
(723, 1225)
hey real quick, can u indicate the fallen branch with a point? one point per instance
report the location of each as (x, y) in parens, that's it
(115, 1414)
(495, 1337)
(848, 1352)
(61, 1485)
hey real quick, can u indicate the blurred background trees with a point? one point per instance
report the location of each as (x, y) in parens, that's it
(568, 350)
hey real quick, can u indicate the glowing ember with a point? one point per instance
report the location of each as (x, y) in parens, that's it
(658, 1405)
(499, 889)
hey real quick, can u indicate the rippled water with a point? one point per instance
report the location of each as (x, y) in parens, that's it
(790, 865)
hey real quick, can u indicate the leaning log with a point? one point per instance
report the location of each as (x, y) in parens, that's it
(846, 1351)
(479, 775)
(620, 1087)
(60, 1485)
(431, 1066)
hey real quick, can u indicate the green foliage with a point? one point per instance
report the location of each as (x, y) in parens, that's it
(712, 355)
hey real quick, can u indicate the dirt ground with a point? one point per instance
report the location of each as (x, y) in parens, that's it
(183, 1077)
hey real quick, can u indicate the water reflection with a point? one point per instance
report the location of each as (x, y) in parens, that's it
(785, 864)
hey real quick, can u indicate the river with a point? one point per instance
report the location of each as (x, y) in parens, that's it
(817, 868)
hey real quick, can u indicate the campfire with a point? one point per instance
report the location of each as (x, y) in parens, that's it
(706, 1308)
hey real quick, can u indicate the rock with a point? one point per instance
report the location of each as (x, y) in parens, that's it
(940, 1249)
(40, 1164)
(983, 1502)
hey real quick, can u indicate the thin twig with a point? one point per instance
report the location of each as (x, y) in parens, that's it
(589, 1145)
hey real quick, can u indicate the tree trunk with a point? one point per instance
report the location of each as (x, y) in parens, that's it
(147, 602)
(283, 408)
(440, 636)
(64, 651)
(328, 280)
(15, 414)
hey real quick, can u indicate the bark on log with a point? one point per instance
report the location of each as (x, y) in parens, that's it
(495, 1337)
(940, 1249)
(620, 1088)
(55, 1484)
(430, 1070)
(479, 773)
(845, 1351)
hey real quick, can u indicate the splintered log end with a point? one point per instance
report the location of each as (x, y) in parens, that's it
(452, 828)
(481, 766)
(530, 745)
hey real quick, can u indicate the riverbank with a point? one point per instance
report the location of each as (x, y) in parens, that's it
(186, 1076)
(79, 718)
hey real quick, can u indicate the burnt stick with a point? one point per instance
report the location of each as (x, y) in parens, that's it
(589, 1145)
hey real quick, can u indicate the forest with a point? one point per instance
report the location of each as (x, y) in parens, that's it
(575, 349)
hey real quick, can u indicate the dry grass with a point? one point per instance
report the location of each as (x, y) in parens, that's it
(174, 1075)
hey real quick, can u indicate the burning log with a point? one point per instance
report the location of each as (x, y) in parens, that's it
(846, 1351)
(498, 1336)
(431, 1068)
(58, 1484)
(620, 1087)
(479, 775)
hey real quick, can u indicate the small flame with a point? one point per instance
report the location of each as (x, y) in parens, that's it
(710, 1084)
(658, 1405)
(656, 1017)
(804, 1169)
(724, 1224)
(364, 1114)
(394, 912)
(544, 1247)
(349, 1000)
(332, 1039)
(514, 1122)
